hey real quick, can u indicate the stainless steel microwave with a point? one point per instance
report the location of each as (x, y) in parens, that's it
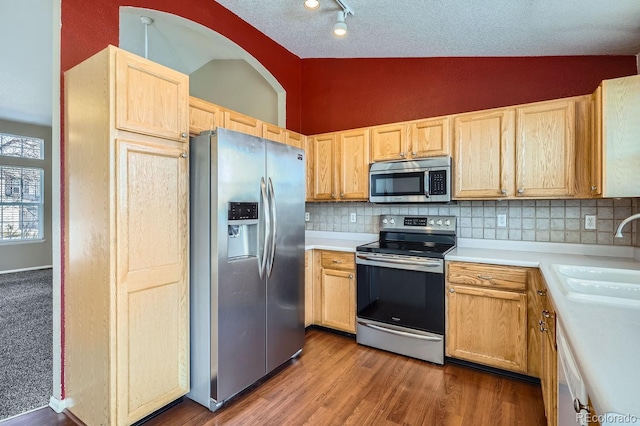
(411, 181)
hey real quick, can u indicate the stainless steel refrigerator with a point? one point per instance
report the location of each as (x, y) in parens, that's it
(247, 261)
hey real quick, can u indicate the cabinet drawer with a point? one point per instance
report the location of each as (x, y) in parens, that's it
(502, 277)
(338, 260)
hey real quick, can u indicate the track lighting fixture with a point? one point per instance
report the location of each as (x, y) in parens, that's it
(311, 4)
(340, 27)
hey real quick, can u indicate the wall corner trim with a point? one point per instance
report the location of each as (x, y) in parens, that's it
(57, 405)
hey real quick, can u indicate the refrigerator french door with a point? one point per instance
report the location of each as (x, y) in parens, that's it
(247, 261)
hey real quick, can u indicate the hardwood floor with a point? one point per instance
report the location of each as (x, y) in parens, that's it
(338, 382)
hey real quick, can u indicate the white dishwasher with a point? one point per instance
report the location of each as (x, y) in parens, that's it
(572, 393)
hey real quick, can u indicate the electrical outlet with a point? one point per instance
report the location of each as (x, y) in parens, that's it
(352, 217)
(307, 217)
(589, 221)
(502, 220)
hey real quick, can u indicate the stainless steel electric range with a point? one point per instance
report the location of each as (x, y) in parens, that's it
(401, 286)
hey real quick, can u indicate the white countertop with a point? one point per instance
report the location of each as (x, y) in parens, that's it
(604, 339)
(338, 241)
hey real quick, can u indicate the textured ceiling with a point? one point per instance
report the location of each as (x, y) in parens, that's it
(419, 28)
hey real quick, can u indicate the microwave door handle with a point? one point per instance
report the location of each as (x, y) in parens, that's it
(426, 183)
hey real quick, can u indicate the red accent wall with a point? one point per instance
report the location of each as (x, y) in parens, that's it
(339, 94)
(90, 25)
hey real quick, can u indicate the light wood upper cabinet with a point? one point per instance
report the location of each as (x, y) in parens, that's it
(545, 152)
(487, 315)
(483, 157)
(127, 333)
(242, 123)
(323, 166)
(429, 138)
(310, 181)
(617, 132)
(295, 139)
(203, 116)
(340, 165)
(274, 133)
(411, 140)
(352, 164)
(389, 142)
(150, 98)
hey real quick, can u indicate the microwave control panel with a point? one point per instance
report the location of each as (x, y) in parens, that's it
(438, 182)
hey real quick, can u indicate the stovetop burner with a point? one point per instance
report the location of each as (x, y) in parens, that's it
(423, 236)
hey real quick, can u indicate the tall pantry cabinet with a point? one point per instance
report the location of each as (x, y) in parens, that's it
(126, 292)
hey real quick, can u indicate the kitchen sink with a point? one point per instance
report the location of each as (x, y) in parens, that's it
(604, 285)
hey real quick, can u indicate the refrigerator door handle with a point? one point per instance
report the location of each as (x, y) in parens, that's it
(262, 257)
(274, 222)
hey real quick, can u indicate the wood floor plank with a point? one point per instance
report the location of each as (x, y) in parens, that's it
(335, 381)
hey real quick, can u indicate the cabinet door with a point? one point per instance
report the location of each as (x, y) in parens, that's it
(352, 165)
(242, 123)
(295, 139)
(389, 142)
(323, 156)
(428, 138)
(549, 378)
(273, 133)
(203, 116)
(488, 327)
(152, 305)
(308, 288)
(545, 139)
(483, 154)
(338, 294)
(150, 98)
(309, 144)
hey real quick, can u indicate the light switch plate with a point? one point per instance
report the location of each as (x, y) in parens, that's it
(502, 220)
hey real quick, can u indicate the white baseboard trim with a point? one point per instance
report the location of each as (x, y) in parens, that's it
(57, 405)
(27, 269)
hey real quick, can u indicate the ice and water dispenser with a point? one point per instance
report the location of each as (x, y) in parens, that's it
(243, 230)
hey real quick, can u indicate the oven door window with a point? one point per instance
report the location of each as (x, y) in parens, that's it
(406, 298)
(397, 184)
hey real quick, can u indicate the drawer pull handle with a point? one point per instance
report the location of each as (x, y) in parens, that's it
(485, 277)
(546, 314)
(542, 327)
(350, 276)
(337, 261)
(541, 292)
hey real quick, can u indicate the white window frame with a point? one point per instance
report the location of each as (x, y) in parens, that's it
(23, 163)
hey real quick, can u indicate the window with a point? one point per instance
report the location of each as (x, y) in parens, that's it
(21, 188)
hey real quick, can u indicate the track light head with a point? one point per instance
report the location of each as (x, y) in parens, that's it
(340, 27)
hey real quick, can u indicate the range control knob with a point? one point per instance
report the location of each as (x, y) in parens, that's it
(439, 222)
(447, 222)
(392, 221)
(384, 221)
(432, 222)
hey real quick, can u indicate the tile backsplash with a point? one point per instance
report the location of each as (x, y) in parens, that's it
(527, 220)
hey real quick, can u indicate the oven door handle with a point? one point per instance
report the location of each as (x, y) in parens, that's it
(401, 333)
(427, 183)
(400, 261)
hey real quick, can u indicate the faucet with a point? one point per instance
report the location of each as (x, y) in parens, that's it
(624, 222)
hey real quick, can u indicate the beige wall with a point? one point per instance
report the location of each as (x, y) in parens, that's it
(236, 85)
(33, 254)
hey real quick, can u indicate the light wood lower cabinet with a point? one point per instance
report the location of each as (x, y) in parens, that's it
(487, 315)
(548, 351)
(308, 288)
(126, 265)
(334, 296)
